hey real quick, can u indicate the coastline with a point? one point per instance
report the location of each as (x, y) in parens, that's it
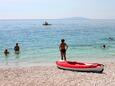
(20, 64)
(50, 75)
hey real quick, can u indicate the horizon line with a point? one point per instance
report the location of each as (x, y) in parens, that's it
(85, 18)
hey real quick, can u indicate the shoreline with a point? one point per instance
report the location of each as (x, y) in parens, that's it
(48, 64)
(17, 63)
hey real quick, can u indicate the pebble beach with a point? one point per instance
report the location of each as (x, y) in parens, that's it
(50, 75)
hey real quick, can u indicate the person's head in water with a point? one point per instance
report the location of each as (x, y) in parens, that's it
(104, 46)
(62, 40)
(6, 51)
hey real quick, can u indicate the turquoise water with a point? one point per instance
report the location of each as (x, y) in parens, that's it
(39, 44)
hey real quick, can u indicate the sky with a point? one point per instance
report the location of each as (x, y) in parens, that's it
(56, 9)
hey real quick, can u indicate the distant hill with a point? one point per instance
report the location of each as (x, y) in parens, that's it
(77, 18)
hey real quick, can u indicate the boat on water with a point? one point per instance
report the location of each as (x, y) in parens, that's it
(79, 66)
(46, 23)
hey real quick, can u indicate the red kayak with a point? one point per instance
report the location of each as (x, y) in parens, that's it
(78, 66)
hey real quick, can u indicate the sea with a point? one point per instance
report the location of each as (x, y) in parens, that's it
(39, 44)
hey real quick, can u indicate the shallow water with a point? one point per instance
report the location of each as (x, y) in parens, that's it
(39, 44)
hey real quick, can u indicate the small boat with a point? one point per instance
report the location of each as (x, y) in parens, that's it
(79, 66)
(46, 23)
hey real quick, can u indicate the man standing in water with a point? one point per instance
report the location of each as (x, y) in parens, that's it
(17, 49)
(63, 47)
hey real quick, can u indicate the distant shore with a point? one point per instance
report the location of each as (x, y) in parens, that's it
(52, 76)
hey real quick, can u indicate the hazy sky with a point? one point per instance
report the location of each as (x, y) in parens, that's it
(35, 9)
